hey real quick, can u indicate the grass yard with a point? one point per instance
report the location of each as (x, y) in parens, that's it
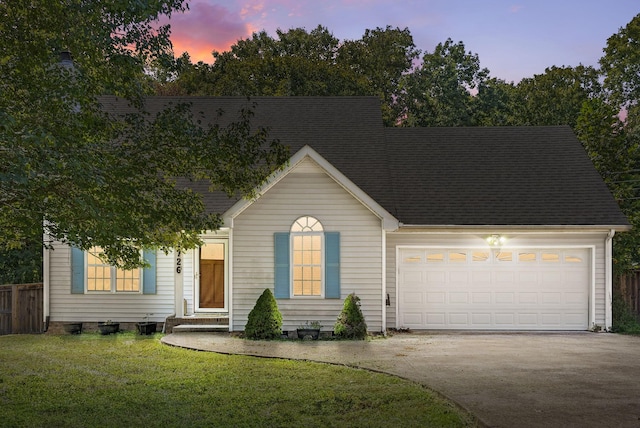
(122, 380)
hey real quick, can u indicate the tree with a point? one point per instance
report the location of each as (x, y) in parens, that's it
(381, 58)
(96, 179)
(296, 63)
(620, 67)
(438, 93)
(621, 64)
(493, 105)
(555, 97)
(301, 63)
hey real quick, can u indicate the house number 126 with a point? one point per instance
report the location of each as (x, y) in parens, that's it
(179, 262)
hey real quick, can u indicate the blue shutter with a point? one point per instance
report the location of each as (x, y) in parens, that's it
(77, 271)
(332, 265)
(149, 273)
(282, 270)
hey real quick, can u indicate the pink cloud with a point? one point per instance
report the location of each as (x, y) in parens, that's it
(206, 27)
(516, 8)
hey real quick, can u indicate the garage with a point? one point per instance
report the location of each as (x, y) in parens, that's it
(494, 288)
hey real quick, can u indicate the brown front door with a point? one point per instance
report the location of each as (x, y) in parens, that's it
(212, 276)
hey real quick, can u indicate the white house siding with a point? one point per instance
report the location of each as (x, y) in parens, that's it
(516, 239)
(307, 190)
(92, 307)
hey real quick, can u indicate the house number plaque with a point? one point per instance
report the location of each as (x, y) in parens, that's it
(179, 262)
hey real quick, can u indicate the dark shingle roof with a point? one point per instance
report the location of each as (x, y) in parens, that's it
(430, 176)
(496, 176)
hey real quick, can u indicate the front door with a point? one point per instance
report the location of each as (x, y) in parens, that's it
(211, 287)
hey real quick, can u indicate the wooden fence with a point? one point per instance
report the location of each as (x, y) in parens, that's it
(627, 286)
(21, 309)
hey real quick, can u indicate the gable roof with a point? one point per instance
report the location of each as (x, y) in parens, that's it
(463, 176)
(388, 221)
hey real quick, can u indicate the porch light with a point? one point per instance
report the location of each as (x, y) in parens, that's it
(496, 240)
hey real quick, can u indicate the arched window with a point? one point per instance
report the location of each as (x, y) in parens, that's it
(307, 242)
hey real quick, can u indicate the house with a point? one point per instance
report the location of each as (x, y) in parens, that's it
(484, 228)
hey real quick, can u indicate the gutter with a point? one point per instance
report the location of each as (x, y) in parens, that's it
(506, 227)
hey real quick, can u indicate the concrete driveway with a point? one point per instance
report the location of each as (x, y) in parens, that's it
(505, 379)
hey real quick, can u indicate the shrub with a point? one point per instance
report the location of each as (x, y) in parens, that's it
(350, 323)
(265, 319)
(624, 321)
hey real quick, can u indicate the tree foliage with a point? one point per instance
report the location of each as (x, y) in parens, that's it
(97, 179)
(555, 97)
(621, 64)
(437, 92)
(297, 62)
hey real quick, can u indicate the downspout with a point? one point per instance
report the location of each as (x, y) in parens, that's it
(384, 282)
(230, 278)
(608, 281)
(45, 284)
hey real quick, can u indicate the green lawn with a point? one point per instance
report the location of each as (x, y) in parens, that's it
(127, 380)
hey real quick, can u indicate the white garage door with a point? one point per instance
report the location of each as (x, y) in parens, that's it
(506, 289)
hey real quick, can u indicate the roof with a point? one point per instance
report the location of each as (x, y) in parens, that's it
(459, 176)
(497, 176)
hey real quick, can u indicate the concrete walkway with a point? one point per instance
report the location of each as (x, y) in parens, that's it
(505, 379)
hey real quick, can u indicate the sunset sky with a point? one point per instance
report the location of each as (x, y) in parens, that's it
(513, 38)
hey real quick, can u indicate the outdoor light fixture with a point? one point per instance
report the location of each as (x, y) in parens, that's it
(496, 240)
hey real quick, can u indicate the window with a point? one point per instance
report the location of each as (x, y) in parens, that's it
(480, 256)
(527, 257)
(549, 257)
(435, 257)
(457, 256)
(106, 278)
(307, 261)
(306, 245)
(504, 256)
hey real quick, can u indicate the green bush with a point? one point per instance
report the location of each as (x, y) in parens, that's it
(624, 321)
(265, 319)
(350, 324)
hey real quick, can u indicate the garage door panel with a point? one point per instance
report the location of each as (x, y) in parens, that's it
(508, 289)
(414, 318)
(527, 320)
(459, 320)
(481, 277)
(552, 298)
(436, 319)
(574, 319)
(436, 297)
(414, 298)
(478, 298)
(527, 277)
(528, 298)
(481, 319)
(455, 297)
(502, 298)
(502, 277)
(552, 277)
(505, 319)
(577, 299)
(551, 319)
(458, 278)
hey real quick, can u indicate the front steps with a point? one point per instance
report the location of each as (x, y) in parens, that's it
(199, 328)
(197, 323)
